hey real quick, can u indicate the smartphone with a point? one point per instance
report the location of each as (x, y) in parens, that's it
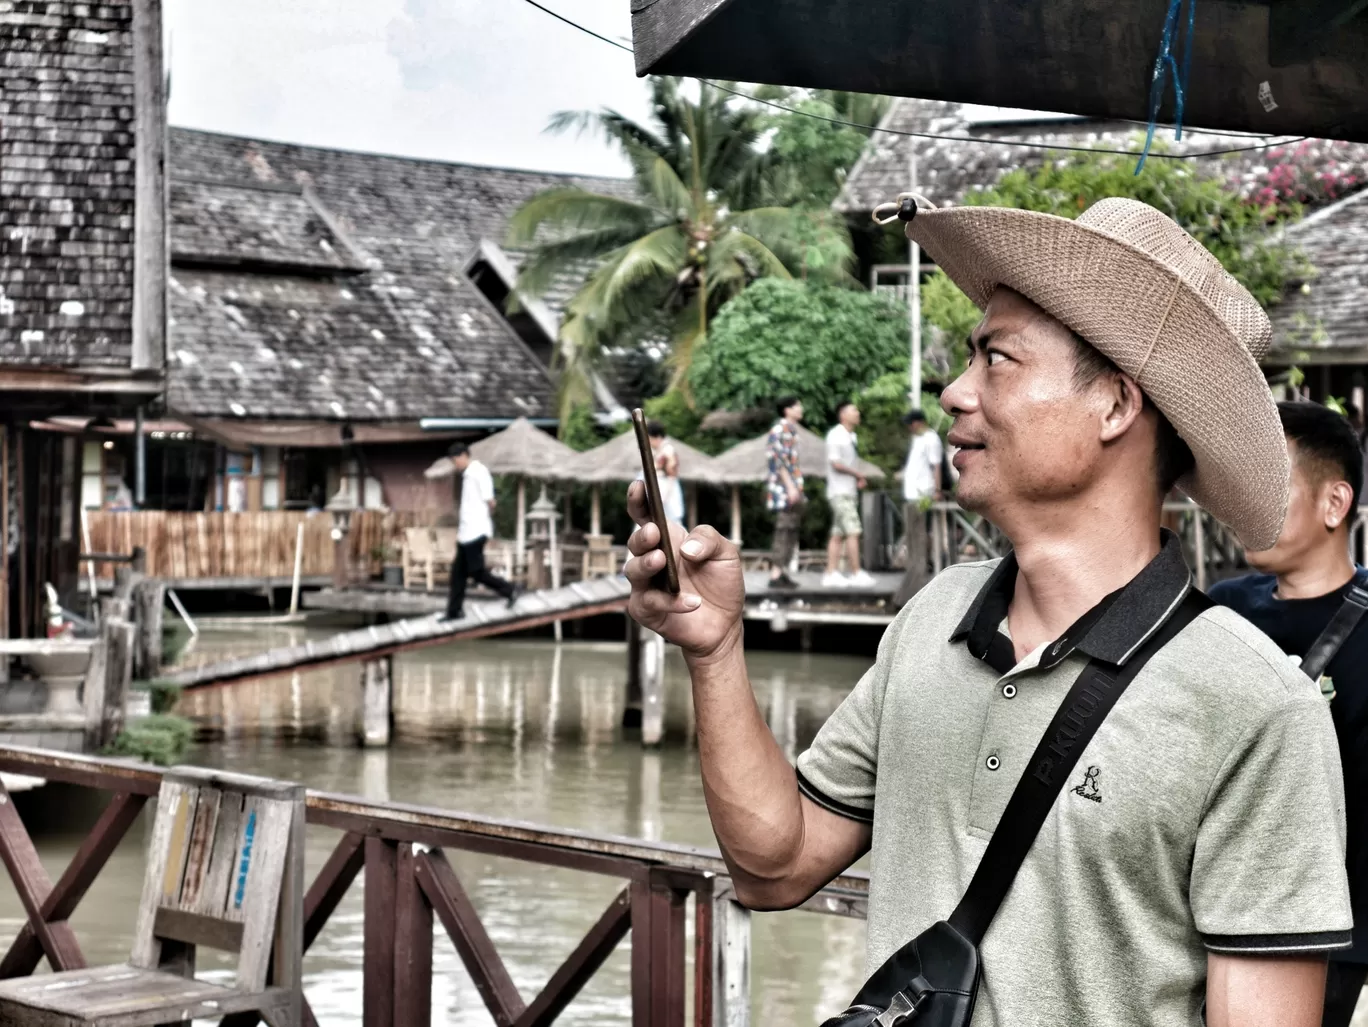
(668, 578)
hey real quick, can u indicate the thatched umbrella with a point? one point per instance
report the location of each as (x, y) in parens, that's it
(620, 460)
(524, 451)
(748, 462)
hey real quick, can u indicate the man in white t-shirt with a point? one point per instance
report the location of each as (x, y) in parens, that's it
(844, 482)
(922, 483)
(474, 527)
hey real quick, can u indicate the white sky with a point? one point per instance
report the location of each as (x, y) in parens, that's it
(461, 80)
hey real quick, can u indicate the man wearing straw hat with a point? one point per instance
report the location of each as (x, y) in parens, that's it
(1194, 873)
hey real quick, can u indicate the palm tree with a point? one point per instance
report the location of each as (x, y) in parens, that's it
(704, 222)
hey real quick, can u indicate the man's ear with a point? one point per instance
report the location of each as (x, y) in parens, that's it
(1123, 403)
(1337, 500)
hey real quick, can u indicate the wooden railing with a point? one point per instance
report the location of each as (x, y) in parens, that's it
(408, 879)
(239, 545)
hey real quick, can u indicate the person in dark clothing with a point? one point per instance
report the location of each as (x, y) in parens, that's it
(474, 527)
(1306, 577)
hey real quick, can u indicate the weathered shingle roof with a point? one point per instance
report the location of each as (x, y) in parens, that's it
(294, 333)
(1326, 318)
(67, 183)
(947, 169)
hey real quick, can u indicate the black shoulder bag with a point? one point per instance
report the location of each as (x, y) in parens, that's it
(1337, 632)
(932, 981)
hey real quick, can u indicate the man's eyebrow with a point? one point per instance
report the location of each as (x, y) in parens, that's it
(983, 341)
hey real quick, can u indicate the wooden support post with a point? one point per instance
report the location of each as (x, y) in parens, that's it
(1199, 548)
(691, 499)
(104, 707)
(149, 600)
(657, 953)
(736, 515)
(723, 940)
(377, 692)
(412, 947)
(652, 688)
(631, 711)
(377, 988)
(595, 511)
(34, 888)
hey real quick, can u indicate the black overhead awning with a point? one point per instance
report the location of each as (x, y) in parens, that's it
(1296, 67)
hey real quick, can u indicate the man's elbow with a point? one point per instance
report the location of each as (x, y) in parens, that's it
(770, 895)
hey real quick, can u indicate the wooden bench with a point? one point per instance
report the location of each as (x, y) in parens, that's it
(600, 557)
(418, 558)
(225, 869)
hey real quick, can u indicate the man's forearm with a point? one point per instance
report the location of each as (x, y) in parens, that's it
(751, 791)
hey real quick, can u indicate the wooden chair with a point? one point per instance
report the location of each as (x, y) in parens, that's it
(443, 553)
(600, 558)
(418, 557)
(225, 869)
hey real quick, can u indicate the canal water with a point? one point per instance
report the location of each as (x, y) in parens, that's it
(508, 728)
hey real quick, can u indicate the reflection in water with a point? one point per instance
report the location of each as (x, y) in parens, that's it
(516, 729)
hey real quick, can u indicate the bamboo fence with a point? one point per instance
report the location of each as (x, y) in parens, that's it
(246, 545)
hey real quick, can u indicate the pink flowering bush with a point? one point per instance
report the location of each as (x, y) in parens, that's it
(1311, 173)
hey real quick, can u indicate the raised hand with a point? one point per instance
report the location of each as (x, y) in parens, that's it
(705, 617)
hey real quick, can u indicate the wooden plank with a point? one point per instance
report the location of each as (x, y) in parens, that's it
(581, 965)
(258, 894)
(178, 848)
(412, 946)
(377, 989)
(26, 951)
(287, 966)
(201, 847)
(332, 883)
(34, 888)
(213, 896)
(172, 801)
(197, 929)
(487, 971)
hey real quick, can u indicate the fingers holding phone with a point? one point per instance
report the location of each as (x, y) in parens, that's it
(706, 614)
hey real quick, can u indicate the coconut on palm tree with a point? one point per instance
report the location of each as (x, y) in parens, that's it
(709, 217)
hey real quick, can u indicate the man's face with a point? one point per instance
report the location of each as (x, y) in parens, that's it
(1024, 432)
(850, 416)
(917, 427)
(794, 413)
(1313, 516)
(656, 441)
(461, 462)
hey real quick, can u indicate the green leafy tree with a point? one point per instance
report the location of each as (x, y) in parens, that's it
(706, 221)
(1235, 230)
(821, 343)
(813, 147)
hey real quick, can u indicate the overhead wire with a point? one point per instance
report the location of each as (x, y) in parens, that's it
(944, 136)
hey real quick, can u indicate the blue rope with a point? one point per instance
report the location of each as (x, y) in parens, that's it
(1164, 63)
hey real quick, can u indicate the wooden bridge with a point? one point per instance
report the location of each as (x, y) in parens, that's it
(533, 609)
(409, 883)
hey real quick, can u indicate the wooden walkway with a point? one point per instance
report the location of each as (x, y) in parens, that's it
(533, 609)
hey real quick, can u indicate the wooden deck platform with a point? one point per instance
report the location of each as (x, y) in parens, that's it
(581, 599)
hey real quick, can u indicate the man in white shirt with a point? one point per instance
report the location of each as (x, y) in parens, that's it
(922, 482)
(844, 482)
(474, 527)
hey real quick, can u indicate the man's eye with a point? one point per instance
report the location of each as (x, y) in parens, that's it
(994, 357)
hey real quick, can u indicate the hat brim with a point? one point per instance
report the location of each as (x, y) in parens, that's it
(1153, 325)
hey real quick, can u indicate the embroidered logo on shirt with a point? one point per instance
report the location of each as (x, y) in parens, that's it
(1088, 789)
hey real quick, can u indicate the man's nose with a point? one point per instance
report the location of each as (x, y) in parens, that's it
(959, 396)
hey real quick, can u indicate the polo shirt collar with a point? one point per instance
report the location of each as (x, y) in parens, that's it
(1111, 631)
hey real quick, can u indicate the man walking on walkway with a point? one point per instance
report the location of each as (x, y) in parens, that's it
(784, 489)
(844, 484)
(475, 526)
(1309, 581)
(921, 484)
(1192, 869)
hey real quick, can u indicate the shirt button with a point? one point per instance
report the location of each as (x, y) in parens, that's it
(1009, 691)
(992, 763)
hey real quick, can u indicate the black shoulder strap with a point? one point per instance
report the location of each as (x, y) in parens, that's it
(1341, 626)
(1082, 711)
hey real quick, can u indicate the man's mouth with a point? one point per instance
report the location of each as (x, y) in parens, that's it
(961, 442)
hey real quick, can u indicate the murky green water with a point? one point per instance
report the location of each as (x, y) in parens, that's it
(511, 729)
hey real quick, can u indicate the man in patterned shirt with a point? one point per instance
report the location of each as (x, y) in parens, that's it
(784, 489)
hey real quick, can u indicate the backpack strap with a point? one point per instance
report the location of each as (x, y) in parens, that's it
(1077, 720)
(1337, 632)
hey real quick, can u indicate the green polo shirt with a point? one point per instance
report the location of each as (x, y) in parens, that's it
(1207, 813)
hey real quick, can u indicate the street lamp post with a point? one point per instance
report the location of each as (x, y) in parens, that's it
(340, 506)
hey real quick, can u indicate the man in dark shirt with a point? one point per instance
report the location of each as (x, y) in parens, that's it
(1304, 582)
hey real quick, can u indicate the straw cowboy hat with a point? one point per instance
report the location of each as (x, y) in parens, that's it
(1151, 298)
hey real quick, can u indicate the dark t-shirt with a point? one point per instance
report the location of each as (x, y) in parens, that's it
(1294, 624)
